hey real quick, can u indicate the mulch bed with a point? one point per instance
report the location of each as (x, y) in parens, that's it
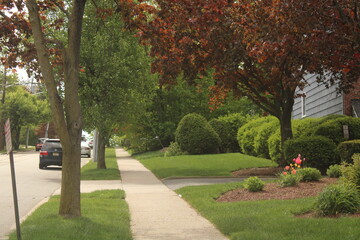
(274, 191)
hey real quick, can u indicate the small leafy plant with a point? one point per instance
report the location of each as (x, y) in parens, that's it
(173, 150)
(289, 180)
(334, 171)
(339, 198)
(254, 184)
(309, 174)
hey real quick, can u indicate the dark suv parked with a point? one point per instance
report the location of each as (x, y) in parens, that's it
(51, 153)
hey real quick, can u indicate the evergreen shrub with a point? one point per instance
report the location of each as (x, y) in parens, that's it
(309, 174)
(254, 184)
(223, 129)
(261, 139)
(334, 171)
(347, 149)
(318, 150)
(196, 136)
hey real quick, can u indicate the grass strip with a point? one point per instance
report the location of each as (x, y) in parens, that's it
(105, 216)
(267, 219)
(90, 171)
(199, 165)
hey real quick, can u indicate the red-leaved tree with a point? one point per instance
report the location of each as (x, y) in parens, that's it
(260, 49)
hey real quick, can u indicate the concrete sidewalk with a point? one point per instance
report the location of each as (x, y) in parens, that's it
(156, 211)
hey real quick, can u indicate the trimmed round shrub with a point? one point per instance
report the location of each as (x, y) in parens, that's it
(223, 129)
(236, 121)
(288, 180)
(309, 174)
(347, 149)
(333, 129)
(319, 151)
(340, 198)
(261, 139)
(334, 171)
(247, 133)
(274, 145)
(304, 127)
(173, 150)
(254, 184)
(195, 135)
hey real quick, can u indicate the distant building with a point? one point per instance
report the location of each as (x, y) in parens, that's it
(319, 101)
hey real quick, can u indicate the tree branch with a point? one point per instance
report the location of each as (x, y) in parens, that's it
(61, 8)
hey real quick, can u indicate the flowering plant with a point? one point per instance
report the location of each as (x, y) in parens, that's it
(291, 169)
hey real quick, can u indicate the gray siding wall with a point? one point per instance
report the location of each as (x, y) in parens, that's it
(319, 101)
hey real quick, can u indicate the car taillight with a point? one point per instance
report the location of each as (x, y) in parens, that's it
(44, 153)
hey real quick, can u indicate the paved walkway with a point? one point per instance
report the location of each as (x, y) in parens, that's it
(156, 211)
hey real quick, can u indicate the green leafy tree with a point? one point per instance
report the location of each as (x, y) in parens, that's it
(115, 82)
(24, 109)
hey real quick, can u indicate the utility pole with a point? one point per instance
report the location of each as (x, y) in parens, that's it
(2, 120)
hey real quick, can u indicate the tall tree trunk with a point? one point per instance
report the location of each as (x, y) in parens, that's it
(67, 114)
(285, 123)
(101, 143)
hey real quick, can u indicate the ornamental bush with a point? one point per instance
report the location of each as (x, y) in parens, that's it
(274, 145)
(309, 174)
(347, 149)
(223, 129)
(254, 184)
(319, 151)
(236, 121)
(195, 135)
(339, 198)
(333, 129)
(351, 172)
(247, 133)
(261, 139)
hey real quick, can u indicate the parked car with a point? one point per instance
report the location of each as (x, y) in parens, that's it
(51, 153)
(39, 143)
(91, 143)
(85, 149)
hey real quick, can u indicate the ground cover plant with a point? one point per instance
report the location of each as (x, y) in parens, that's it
(90, 171)
(267, 219)
(200, 165)
(105, 216)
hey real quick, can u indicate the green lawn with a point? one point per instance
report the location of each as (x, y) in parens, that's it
(267, 219)
(105, 216)
(199, 165)
(90, 172)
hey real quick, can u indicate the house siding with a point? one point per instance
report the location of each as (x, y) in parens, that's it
(319, 101)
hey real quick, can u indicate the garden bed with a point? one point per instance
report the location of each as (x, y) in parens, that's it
(274, 191)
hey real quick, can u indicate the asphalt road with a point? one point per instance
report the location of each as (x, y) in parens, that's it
(33, 186)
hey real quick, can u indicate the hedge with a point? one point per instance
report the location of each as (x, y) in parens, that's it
(318, 150)
(347, 149)
(223, 129)
(195, 135)
(247, 133)
(263, 134)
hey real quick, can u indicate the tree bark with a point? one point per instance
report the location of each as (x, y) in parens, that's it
(285, 123)
(101, 144)
(66, 114)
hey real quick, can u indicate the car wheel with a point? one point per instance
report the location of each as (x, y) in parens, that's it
(89, 155)
(42, 166)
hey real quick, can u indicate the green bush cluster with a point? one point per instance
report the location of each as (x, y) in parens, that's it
(261, 146)
(223, 129)
(334, 171)
(309, 174)
(318, 150)
(347, 149)
(247, 133)
(254, 184)
(339, 198)
(235, 120)
(195, 135)
(173, 150)
(333, 129)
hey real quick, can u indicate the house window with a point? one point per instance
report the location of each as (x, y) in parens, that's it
(303, 105)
